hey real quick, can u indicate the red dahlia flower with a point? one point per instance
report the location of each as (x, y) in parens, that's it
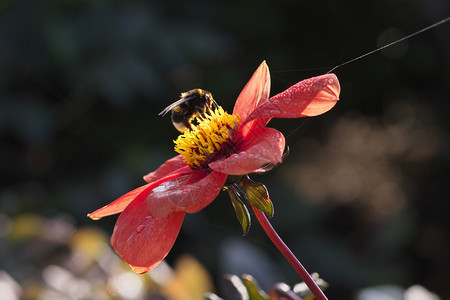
(219, 146)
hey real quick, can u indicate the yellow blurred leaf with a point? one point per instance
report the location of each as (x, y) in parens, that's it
(191, 281)
(25, 226)
(90, 241)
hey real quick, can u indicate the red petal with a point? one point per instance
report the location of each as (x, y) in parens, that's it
(141, 240)
(310, 97)
(261, 146)
(169, 166)
(255, 92)
(120, 204)
(190, 192)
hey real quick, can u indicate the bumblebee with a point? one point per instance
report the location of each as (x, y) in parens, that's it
(192, 104)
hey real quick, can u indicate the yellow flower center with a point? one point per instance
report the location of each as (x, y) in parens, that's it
(210, 138)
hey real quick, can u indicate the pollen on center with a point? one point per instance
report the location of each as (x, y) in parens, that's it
(208, 139)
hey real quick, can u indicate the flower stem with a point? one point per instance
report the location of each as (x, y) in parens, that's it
(287, 253)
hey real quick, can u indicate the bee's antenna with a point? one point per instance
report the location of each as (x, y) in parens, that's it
(164, 112)
(167, 109)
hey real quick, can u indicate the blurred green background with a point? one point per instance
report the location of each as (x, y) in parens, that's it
(363, 198)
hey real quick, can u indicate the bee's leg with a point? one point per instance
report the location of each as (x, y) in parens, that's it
(209, 109)
(189, 126)
(213, 105)
(202, 117)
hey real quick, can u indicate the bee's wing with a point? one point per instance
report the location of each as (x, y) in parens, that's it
(172, 106)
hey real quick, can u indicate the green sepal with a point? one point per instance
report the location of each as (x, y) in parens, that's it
(240, 209)
(257, 195)
(253, 289)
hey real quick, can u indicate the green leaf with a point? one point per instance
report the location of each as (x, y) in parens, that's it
(257, 194)
(253, 289)
(240, 209)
